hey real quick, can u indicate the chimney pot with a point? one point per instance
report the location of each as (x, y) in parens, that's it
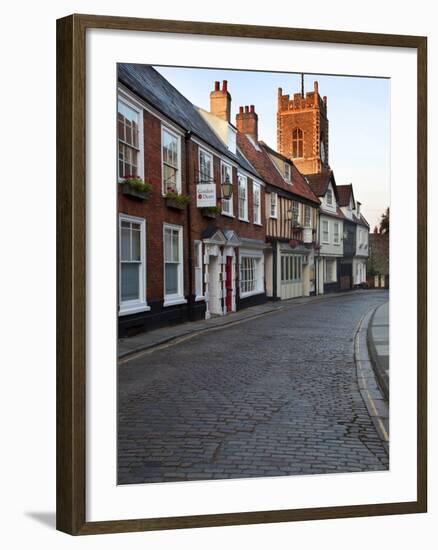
(252, 109)
(315, 86)
(224, 85)
(240, 109)
(246, 109)
(216, 86)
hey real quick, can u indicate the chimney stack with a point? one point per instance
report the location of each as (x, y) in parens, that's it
(220, 101)
(247, 121)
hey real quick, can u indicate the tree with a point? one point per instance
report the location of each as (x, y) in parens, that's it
(384, 222)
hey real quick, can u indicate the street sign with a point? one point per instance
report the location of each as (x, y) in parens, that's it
(205, 195)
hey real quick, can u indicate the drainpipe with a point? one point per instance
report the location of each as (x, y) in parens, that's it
(274, 271)
(319, 255)
(187, 138)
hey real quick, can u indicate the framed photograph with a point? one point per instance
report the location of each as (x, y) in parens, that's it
(241, 274)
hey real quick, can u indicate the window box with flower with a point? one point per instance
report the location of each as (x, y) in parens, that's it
(210, 211)
(135, 187)
(176, 200)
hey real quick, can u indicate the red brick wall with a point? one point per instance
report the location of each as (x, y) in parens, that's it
(199, 222)
(312, 121)
(155, 211)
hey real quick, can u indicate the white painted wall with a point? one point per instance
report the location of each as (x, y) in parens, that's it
(362, 241)
(330, 248)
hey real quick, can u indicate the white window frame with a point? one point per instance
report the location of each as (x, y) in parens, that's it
(241, 177)
(257, 219)
(133, 306)
(287, 173)
(258, 273)
(208, 154)
(199, 270)
(336, 239)
(229, 201)
(178, 298)
(308, 209)
(164, 129)
(329, 193)
(328, 231)
(273, 204)
(135, 107)
(295, 209)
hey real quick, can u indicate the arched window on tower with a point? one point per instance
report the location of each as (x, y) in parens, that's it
(297, 143)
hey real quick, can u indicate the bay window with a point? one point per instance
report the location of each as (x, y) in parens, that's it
(251, 275)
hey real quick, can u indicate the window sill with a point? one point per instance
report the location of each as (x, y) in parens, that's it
(227, 214)
(137, 308)
(273, 217)
(200, 299)
(174, 301)
(243, 220)
(259, 224)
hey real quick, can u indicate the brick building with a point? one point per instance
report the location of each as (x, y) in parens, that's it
(378, 262)
(178, 261)
(342, 236)
(291, 214)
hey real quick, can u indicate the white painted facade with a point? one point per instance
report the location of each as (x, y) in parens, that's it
(330, 238)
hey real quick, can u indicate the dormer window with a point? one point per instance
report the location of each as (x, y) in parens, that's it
(329, 197)
(297, 143)
(287, 171)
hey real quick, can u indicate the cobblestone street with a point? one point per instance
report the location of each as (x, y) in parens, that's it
(276, 395)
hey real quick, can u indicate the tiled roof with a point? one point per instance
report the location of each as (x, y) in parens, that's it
(338, 214)
(319, 182)
(361, 220)
(147, 83)
(344, 194)
(257, 155)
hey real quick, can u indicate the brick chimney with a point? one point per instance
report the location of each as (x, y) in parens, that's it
(247, 122)
(220, 101)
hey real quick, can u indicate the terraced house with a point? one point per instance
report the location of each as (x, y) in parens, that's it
(353, 271)
(190, 207)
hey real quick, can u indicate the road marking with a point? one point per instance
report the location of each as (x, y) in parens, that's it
(358, 362)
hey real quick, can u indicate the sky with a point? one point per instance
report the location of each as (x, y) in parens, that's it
(358, 110)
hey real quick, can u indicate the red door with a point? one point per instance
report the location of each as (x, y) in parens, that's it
(229, 283)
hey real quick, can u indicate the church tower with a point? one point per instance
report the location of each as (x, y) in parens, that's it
(302, 130)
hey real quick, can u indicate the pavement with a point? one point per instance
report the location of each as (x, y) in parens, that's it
(378, 343)
(134, 344)
(288, 392)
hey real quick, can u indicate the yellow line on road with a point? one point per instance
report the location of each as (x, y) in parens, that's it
(370, 399)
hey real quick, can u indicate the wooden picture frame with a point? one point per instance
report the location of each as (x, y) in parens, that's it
(71, 273)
